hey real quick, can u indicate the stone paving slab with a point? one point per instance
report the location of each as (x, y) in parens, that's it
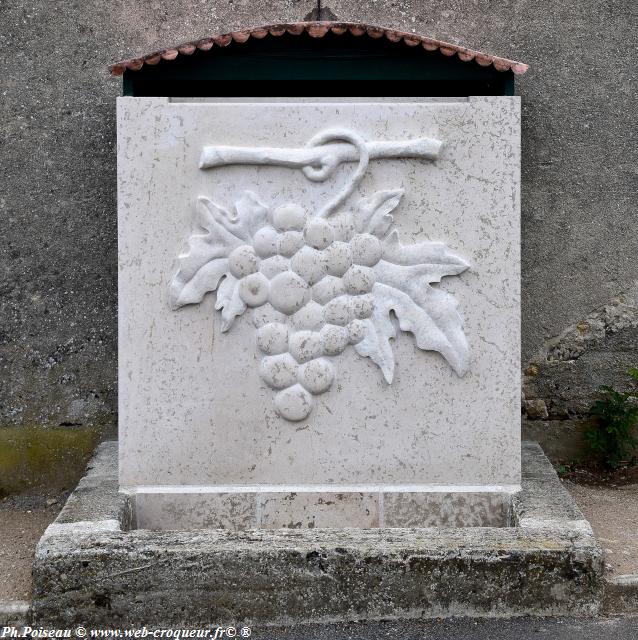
(23, 520)
(613, 514)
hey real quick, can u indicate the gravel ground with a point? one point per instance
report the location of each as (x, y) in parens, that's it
(22, 522)
(613, 514)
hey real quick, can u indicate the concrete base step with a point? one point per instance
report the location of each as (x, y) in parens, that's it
(621, 595)
(14, 613)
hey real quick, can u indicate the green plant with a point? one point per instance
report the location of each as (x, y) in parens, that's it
(616, 414)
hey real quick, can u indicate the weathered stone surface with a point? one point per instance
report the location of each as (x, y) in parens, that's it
(96, 497)
(565, 374)
(319, 510)
(441, 509)
(97, 572)
(543, 502)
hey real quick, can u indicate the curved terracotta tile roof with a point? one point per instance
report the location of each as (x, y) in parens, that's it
(318, 30)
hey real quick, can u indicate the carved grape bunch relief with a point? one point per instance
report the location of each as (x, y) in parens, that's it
(318, 282)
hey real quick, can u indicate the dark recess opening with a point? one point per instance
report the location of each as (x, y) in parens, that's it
(334, 65)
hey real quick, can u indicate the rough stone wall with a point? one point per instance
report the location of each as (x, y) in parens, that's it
(57, 203)
(561, 380)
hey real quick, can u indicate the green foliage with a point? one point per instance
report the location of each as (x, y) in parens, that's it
(565, 468)
(616, 414)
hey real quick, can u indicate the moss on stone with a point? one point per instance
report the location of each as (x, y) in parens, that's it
(36, 458)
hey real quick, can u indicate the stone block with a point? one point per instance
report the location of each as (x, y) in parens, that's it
(195, 510)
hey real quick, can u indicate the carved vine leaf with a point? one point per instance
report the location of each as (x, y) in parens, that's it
(402, 285)
(205, 261)
(324, 279)
(373, 214)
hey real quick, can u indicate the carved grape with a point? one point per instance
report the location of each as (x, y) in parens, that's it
(334, 338)
(305, 345)
(318, 233)
(327, 288)
(299, 274)
(310, 264)
(289, 217)
(358, 279)
(273, 266)
(294, 403)
(267, 314)
(289, 242)
(265, 242)
(288, 292)
(339, 311)
(310, 316)
(253, 289)
(366, 249)
(243, 261)
(356, 331)
(338, 258)
(317, 375)
(272, 338)
(363, 305)
(279, 371)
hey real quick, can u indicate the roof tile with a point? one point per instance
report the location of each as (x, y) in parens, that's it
(319, 30)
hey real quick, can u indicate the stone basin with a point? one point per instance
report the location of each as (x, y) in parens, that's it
(93, 566)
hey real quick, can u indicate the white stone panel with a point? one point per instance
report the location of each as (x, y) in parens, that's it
(197, 404)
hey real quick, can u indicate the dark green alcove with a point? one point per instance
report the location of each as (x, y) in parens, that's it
(334, 65)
